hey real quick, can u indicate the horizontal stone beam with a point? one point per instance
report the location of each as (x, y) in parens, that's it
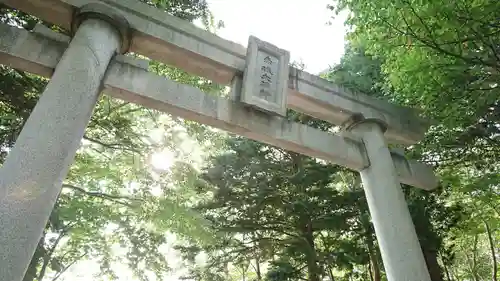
(30, 52)
(134, 84)
(171, 40)
(128, 79)
(414, 173)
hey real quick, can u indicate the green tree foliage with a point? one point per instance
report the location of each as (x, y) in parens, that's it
(114, 208)
(282, 209)
(443, 58)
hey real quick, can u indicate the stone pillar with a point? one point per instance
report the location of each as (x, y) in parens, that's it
(399, 245)
(32, 175)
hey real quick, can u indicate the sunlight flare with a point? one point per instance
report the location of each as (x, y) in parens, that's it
(163, 160)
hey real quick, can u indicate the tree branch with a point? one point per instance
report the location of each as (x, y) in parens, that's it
(492, 251)
(68, 266)
(111, 145)
(115, 198)
(48, 256)
(434, 45)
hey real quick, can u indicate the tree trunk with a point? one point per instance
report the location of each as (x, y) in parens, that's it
(370, 271)
(494, 272)
(471, 262)
(243, 273)
(312, 264)
(448, 276)
(257, 260)
(471, 267)
(32, 271)
(431, 261)
(330, 273)
(257, 269)
(474, 258)
(226, 271)
(48, 255)
(374, 263)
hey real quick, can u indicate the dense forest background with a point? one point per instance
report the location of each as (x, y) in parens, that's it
(235, 209)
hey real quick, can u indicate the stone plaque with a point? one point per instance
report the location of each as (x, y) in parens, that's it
(265, 81)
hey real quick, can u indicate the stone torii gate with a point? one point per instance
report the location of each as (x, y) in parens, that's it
(263, 87)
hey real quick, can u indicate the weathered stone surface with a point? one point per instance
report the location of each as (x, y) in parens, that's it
(32, 174)
(36, 53)
(422, 175)
(106, 13)
(169, 99)
(265, 81)
(396, 236)
(171, 40)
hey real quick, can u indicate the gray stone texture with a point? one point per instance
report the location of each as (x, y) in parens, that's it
(401, 253)
(32, 175)
(265, 80)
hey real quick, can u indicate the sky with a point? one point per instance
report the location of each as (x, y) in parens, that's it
(299, 26)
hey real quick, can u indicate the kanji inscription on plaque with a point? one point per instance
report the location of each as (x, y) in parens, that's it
(265, 81)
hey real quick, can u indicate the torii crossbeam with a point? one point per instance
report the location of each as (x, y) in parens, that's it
(81, 67)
